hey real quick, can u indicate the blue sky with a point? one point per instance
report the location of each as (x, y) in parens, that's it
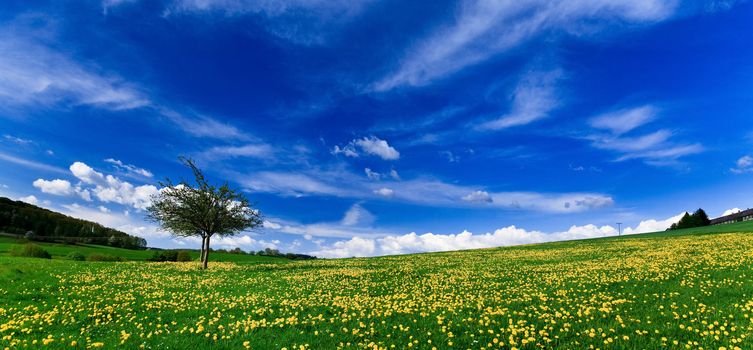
(380, 127)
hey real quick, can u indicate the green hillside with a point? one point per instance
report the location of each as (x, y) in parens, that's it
(677, 290)
(60, 251)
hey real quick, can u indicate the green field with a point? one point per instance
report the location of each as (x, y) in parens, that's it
(685, 289)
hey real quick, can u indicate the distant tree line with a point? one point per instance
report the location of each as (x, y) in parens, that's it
(697, 219)
(267, 252)
(39, 224)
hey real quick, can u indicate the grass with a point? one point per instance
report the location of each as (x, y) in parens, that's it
(685, 289)
(60, 251)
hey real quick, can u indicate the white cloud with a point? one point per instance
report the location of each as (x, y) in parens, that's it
(373, 175)
(306, 22)
(534, 97)
(371, 145)
(357, 216)
(511, 235)
(201, 126)
(128, 168)
(35, 75)
(107, 188)
(743, 165)
(116, 220)
(31, 199)
(478, 196)
(385, 192)
(653, 225)
(250, 151)
(57, 187)
(624, 120)
(424, 191)
(31, 164)
(654, 148)
(731, 211)
(17, 140)
(486, 28)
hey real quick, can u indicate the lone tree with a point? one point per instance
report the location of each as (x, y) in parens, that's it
(201, 209)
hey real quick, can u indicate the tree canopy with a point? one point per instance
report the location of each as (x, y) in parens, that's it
(201, 209)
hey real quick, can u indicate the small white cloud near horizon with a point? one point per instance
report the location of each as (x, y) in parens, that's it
(731, 211)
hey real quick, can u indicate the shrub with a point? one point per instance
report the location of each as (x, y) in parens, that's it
(164, 255)
(76, 256)
(30, 250)
(184, 256)
(103, 257)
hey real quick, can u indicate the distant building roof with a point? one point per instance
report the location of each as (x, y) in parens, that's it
(732, 217)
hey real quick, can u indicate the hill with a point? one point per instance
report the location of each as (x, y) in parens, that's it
(679, 289)
(24, 219)
(61, 251)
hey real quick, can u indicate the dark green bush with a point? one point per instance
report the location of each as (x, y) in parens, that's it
(103, 257)
(184, 256)
(30, 250)
(77, 256)
(164, 255)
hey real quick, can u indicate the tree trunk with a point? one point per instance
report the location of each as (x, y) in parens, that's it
(203, 248)
(206, 255)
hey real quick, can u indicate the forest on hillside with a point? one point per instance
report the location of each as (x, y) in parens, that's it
(39, 224)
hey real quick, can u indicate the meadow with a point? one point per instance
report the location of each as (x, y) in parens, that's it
(691, 289)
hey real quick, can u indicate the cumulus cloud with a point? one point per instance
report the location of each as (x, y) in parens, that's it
(484, 28)
(731, 211)
(106, 188)
(743, 165)
(371, 145)
(57, 187)
(31, 199)
(511, 235)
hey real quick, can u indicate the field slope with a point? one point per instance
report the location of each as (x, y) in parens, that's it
(667, 290)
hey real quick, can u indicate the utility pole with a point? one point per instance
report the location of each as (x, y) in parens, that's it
(619, 229)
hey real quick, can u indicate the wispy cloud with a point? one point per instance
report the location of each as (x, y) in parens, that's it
(743, 165)
(260, 151)
(485, 28)
(129, 168)
(533, 98)
(33, 74)
(422, 191)
(31, 164)
(305, 22)
(624, 138)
